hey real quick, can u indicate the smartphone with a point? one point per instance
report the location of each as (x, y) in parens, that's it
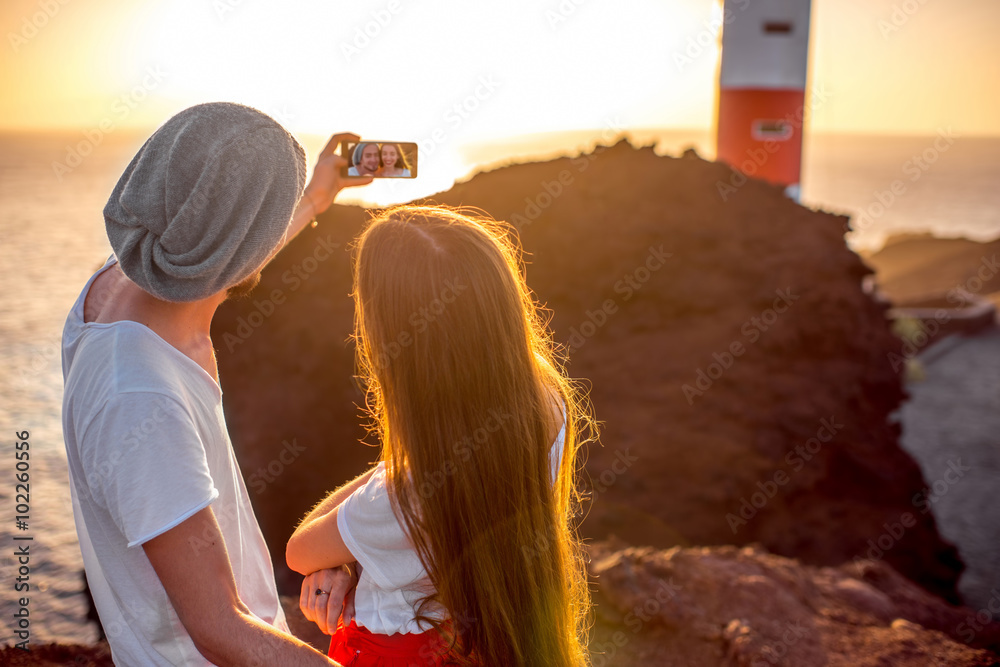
(380, 159)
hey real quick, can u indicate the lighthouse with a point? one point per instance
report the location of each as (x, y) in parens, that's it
(762, 85)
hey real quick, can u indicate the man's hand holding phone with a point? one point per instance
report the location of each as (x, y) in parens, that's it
(333, 173)
(329, 175)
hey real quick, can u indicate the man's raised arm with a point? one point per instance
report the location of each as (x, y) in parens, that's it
(324, 185)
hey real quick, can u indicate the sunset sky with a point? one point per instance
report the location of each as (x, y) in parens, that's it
(480, 71)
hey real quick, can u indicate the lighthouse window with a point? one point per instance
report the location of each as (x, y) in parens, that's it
(771, 130)
(777, 28)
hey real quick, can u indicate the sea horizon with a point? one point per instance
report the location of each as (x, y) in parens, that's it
(849, 173)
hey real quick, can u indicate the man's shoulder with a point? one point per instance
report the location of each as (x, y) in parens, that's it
(124, 363)
(130, 348)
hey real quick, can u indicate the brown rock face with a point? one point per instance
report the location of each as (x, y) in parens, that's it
(52, 655)
(739, 369)
(914, 267)
(725, 607)
(730, 606)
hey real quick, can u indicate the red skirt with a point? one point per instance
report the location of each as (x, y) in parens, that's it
(355, 646)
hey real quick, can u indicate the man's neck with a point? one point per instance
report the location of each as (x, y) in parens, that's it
(186, 326)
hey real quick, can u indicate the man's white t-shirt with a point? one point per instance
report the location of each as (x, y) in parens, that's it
(147, 447)
(393, 579)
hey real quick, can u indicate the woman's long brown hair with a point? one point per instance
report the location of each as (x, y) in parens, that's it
(462, 380)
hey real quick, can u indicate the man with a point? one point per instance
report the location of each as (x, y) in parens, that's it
(365, 158)
(176, 561)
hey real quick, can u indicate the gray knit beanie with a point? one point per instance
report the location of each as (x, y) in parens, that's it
(205, 201)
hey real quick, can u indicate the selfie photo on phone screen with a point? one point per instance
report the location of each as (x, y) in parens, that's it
(380, 159)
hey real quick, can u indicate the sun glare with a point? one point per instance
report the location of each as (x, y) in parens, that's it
(453, 75)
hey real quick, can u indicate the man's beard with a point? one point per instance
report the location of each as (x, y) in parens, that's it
(243, 288)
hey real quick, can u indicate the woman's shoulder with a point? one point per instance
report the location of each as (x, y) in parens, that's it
(557, 414)
(368, 513)
(375, 485)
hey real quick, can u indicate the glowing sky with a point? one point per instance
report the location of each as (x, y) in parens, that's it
(480, 70)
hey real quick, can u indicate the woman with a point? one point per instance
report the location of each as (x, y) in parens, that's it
(464, 530)
(393, 162)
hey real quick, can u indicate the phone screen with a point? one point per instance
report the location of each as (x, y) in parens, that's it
(380, 159)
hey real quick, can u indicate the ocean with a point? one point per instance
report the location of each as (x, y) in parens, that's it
(53, 188)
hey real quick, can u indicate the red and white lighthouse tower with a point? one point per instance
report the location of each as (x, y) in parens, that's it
(762, 85)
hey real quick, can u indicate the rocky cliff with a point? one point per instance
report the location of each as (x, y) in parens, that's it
(741, 371)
